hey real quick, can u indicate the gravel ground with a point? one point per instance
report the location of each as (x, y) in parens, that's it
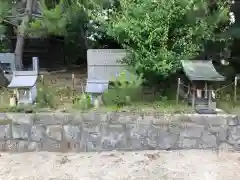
(161, 165)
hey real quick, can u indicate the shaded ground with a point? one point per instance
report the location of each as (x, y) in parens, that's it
(61, 88)
(62, 95)
(149, 165)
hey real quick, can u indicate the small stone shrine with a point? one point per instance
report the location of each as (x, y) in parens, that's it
(24, 84)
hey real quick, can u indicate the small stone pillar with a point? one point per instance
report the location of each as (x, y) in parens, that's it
(13, 101)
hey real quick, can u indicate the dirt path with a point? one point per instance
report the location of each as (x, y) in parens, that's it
(152, 165)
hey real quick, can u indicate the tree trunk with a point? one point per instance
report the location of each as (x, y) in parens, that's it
(19, 52)
(21, 35)
(3, 80)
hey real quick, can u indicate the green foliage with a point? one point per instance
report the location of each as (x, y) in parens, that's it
(126, 80)
(82, 102)
(58, 17)
(2, 29)
(160, 33)
(46, 97)
(123, 90)
(54, 19)
(79, 28)
(4, 8)
(3, 44)
(68, 18)
(18, 109)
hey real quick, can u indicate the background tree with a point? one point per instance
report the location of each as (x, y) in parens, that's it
(41, 18)
(160, 33)
(4, 8)
(18, 14)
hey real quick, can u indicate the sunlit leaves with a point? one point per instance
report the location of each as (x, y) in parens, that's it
(5, 6)
(56, 19)
(159, 33)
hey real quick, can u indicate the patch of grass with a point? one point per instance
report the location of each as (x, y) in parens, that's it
(124, 98)
(61, 99)
(82, 102)
(148, 107)
(229, 107)
(19, 109)
(5, 121)
(46, 96)
(225, 98)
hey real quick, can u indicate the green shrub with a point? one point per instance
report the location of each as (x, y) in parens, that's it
(123, 90)
(46, 96)
(18, 109)
(158, 34)
(82, 102)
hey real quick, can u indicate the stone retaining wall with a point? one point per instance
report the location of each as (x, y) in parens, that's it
(111, 131)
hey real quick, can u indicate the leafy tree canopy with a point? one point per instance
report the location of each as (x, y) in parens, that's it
(160, 33)
(49, 16)
(69, 18)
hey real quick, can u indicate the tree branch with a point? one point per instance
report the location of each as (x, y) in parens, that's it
(37, 15)
(16, 16)
(8, 22)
